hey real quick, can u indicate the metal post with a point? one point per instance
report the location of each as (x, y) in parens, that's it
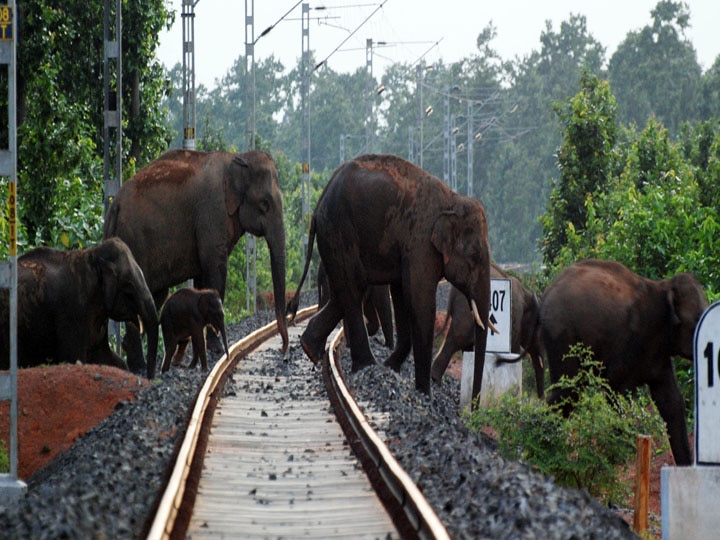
(11, 487)
(305, 136)
(470, 156)
(453, 153)
(188, 71)
(250, 240)
(446, 135)
(369, 96)
(112, 109)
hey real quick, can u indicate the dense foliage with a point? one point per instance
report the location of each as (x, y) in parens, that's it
(567, 448)
(572, 152)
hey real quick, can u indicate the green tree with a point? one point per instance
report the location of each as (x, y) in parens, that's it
(585, 160)
(655, 71)
(60, 111)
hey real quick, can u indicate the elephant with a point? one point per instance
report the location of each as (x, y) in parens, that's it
(524, 317)
(184, 316)
(183, 214)
(65, 299)
(382, 220)
(377, 307)
(633, 325)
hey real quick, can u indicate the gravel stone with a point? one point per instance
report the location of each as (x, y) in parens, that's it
(106, 484)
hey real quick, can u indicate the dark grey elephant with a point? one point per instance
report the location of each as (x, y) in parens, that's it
(382, 220)
(459, 328)
(633, 325)
(184, 317)
(377, 307)
(183, 214)
(65, 299)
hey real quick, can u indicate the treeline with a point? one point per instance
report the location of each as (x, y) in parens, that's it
(563, 142)
(505, 110)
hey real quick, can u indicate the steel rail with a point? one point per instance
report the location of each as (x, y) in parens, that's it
(167, 516)
(411, 513)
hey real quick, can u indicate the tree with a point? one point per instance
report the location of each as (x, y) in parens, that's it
(655, 71)
(585, 161)
(60, 110)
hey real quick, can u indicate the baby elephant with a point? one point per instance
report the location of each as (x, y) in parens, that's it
(184, 317)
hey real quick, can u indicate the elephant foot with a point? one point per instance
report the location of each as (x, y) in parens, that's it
(394, 363)
(362, 364)
(314, 352)
(213, 343)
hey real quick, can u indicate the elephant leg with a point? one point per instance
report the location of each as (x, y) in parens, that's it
(179, 355)
(404, 331)
(356, 333)
(198, 344)
(170, 346)
(318, 329)
(536, 360)
(665, 392)
(442, 360)
(422, 318)
(132, 345)
(383, 307)
(371, 317)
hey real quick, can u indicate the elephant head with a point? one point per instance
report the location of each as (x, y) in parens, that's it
(460, 235)
(687, 302)
(126, 296)
(254, 202)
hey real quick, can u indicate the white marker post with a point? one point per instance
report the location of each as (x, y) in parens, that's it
(497, 378)
(690, 496)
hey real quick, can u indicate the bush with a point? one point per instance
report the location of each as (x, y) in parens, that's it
(586, 449)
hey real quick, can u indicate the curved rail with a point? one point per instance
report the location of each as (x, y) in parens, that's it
(412, 514)
(167, 515)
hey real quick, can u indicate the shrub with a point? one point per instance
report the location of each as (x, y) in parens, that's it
(586, 449)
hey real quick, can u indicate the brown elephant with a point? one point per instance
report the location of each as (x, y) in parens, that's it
(633, 325)
(184, 317)
(459, 324)
(65, 299)
(182, 215)
(377, 307)
(382, 220)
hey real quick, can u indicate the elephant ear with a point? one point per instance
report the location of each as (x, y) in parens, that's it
(108, 274)
(234, 183)
(443, 234)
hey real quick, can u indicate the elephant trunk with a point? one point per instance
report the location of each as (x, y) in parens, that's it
(148, 316)
(276, 245)
(223, 334)
(482, 309)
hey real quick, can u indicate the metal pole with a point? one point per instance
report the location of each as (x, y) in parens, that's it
(368, 97)
(11, 487)
(250, 240)
(188, 69)
(446, 135)
(470, 156)
(305, 136)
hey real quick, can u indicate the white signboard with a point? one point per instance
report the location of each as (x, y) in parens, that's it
(707, 387)
(500, 310)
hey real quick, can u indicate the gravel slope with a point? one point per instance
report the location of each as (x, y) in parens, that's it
(106, 484)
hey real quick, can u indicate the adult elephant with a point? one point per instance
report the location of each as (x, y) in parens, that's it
(377, 307)
(633, 325)
(382, 220)
(459, 324)
(65, 299)
(182, 215)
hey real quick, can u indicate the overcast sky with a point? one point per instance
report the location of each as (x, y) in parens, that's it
(412, 29)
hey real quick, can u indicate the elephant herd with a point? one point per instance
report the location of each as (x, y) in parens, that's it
(386, 231)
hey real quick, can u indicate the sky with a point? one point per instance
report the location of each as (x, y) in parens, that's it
(412, 30)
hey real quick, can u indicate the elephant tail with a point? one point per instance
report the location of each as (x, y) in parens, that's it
(294, 302)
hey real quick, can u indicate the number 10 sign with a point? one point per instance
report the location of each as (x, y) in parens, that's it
(707, 387)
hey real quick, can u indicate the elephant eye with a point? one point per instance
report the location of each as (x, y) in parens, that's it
(264, 206)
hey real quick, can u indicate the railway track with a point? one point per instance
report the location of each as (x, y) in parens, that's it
(264, 459)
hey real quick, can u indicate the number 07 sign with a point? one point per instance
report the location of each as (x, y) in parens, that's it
(707, 387)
